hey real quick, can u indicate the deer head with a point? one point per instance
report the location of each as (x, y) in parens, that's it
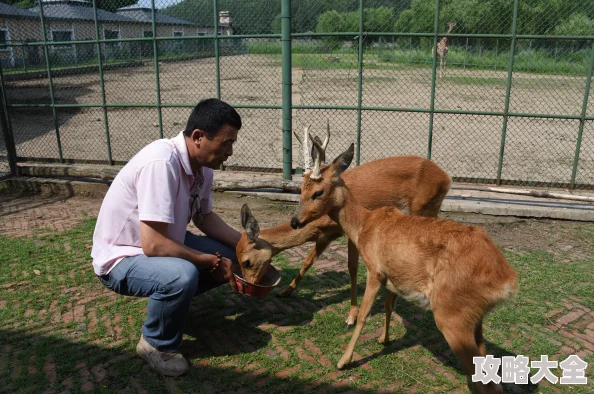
(451, 24)
(254, 254)
(319, 194)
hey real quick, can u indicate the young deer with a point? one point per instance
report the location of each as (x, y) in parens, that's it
(453, 269)
(411, 183)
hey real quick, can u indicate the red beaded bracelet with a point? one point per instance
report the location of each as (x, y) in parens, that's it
(219, 260)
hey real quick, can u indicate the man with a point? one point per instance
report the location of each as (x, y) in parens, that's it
(141, 246)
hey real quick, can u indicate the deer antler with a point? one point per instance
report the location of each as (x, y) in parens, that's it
(305, 144)
(321, 152)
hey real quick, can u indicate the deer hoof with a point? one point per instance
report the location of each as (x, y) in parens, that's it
(349, 325)
(383, 341)
(286, 292)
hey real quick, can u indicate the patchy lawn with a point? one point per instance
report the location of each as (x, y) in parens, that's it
(60, 329)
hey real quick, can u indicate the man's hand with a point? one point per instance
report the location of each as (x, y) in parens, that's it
(222, 271)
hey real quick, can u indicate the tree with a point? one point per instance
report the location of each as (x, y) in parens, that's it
(577, 24)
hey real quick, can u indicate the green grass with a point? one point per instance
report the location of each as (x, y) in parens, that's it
(237, 335)
(565, 62)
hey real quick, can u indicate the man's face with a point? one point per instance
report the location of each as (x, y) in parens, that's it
(212, 153)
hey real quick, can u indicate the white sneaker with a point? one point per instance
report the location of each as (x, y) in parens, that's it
(167, 363)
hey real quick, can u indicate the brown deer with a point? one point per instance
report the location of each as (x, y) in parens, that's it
(452, 269)
(412, 183)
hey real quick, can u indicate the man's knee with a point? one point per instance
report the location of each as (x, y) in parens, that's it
(185, 277)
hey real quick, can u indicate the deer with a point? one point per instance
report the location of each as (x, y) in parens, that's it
(415, 184)
(450, 268)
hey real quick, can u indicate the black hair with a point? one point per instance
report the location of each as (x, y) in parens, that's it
(210, 115)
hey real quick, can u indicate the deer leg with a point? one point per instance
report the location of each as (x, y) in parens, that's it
(389, 307)
(461, 336)
(479, 339)
(321, 245)
(371, 289)
(353, 264)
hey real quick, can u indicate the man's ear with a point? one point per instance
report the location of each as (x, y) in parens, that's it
(342, 162)
(249, 223)
(196, 135)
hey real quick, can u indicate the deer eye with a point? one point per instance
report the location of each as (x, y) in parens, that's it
(317, 194)
(246, 264)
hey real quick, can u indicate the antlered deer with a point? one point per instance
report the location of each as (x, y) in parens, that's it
(411, 183)
(453, 269)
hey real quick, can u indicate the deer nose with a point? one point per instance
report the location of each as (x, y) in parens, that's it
(295, 223)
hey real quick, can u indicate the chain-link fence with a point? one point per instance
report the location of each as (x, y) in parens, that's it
(494, 91)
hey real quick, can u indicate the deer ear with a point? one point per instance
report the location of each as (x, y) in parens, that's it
(342, 162)
(249, 223)
(245, 214)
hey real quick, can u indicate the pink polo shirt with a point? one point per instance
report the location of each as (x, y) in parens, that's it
(157, 184)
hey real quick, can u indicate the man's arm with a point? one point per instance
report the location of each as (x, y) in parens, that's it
(214, 227)
(156, 243)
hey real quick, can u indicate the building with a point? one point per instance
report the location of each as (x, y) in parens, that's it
(166, 26)
(74, 20)
(17, 25)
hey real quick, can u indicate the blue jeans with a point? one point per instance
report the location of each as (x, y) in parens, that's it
(170, 283)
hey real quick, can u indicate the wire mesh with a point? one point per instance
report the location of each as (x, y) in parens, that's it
(539, 151)
(385, 133)
(585, 168)
(252, 78)
(388, 101)
(34, 133)
(467, 146)
(131, 129)
(259, 144)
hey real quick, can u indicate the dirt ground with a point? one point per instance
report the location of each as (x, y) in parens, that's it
(464, 145)
(21, 214)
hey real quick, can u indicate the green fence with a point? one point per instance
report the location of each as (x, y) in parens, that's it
(508, 103)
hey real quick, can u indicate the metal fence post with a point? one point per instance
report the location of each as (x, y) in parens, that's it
(360, 85)
(582, 119)
(156, 57)
(287, 88)
(216, 48)
(6, 130)
(433, 80)
(510, 72)
(217, 55)
(49, 77)
(102, 83)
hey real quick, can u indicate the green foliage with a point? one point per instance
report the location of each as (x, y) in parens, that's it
(23, 4)
(577, 24)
